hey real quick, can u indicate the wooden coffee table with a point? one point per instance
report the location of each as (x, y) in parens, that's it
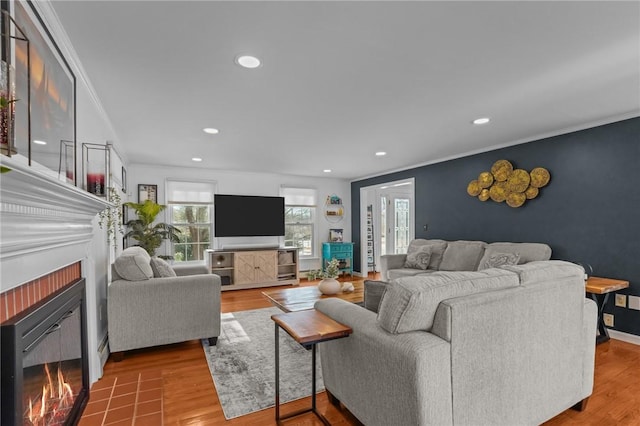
(303, 298)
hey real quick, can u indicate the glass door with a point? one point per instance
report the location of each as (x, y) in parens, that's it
(396, 223)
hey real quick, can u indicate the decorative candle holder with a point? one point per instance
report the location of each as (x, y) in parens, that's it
(95, 168)
(67, 163)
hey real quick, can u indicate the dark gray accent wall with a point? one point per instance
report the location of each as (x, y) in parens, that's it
(589, 212)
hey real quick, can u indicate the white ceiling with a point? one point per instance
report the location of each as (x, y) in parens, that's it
(342, 80)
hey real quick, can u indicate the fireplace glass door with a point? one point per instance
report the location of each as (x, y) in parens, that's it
(52, 372)
(44, 361)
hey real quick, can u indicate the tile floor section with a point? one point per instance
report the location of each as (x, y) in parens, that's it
(132, 400)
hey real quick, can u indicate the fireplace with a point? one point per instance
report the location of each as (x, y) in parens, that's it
(45, 378)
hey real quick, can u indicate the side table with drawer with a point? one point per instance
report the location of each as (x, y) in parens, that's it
(341, 251)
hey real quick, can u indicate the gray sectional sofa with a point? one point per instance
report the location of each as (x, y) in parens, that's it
(458, 256)
(513, 345)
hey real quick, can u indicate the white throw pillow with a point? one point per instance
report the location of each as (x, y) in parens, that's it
(136, 250)
(499, 259)
(133, 267)
(161, 269)
(418, 258)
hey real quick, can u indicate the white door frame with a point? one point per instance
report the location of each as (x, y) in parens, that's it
(371, 195)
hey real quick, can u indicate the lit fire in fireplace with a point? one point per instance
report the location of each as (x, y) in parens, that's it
(52, 406)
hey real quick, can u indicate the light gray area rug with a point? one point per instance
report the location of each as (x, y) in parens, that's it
(243, 364)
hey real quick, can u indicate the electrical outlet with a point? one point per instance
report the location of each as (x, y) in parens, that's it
(621, 300)
(608, 319)
(634, 302)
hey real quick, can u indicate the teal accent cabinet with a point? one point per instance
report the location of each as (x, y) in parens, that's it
(341, 251)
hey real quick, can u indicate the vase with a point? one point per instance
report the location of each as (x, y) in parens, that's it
(329, 286)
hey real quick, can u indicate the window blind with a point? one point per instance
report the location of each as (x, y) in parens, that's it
(185, 192)
(299, 196)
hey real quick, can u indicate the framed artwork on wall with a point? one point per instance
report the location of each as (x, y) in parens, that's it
(48, 112)
(147, 192)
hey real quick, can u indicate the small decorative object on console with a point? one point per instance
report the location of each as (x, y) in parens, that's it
(348, 288)
(335, 235)
(95, 168)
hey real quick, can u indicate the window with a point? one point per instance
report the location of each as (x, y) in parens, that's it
(189, 205)
(299, 219)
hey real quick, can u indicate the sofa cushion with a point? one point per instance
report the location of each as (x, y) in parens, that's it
(133, 267)
(540, 272)
(418, 257)
(161, 269)
(462, 255)
(529, 252)
(437, 250)
(499, 259)
(409, 304)
(406, 272)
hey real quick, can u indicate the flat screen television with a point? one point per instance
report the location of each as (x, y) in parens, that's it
(248, 216)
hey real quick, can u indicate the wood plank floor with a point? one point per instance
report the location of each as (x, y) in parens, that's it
(190, 397)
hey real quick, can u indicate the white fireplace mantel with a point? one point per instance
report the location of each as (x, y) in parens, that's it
(44, 223)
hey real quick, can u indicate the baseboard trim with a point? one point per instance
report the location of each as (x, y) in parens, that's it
(625, 337)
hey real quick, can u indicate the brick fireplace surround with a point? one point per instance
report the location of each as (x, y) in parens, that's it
(20, 298)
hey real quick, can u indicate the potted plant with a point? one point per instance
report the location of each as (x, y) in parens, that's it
(329, 284)
(111, 217)
(149, 235)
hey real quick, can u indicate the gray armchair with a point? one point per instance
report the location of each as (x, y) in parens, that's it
(160, 311)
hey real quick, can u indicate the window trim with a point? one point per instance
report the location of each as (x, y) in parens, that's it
(213, 188)
(312, 223)
(210, 225)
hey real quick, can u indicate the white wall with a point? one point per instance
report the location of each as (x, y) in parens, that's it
(249, 183)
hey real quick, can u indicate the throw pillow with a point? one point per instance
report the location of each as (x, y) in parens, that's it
(418, 258)
(500, 259)
(161, 269)
(410, 303)
(373, 292)
(133, 268)
(134, 250)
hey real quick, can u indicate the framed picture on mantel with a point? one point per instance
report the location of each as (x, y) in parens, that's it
(147, 192)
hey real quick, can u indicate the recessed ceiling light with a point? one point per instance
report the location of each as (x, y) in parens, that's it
(247, 61)
(211, 130)
(327, 170)
(196, 159)
(381, 153)
(483, 120)
(39, 142)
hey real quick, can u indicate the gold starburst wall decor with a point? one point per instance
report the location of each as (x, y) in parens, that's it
(506, 183)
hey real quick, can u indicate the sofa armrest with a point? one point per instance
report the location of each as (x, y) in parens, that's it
(182, 269)
(405, 370)
(162, 310)
(589, 326)
(391, 261)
